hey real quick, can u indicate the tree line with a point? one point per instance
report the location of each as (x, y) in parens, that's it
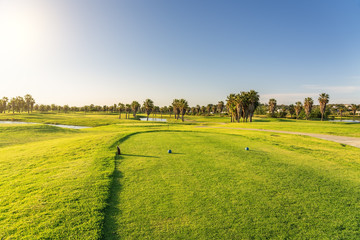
(239, 107)
(308, 110)
(17, 104)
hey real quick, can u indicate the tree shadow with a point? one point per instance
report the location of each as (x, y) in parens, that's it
(112, 211)
(177, 153)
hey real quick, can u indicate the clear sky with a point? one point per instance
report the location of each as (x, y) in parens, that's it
(100, 52)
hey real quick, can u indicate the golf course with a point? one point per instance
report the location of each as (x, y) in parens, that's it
(63, 183)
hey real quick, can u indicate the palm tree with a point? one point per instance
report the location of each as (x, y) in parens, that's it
(203, 110)
(291, 110)
(127, 110)
(135, 107)
(5, 101)
(354, 108)
(148, 107)
(298, 108)
(198, 109)
(209, 108)
(323, 100)
(220, 107)
(240, 102)
(163, 110)
(213, 109)
(308, 104)
(341, 108)
(121, 108)
(183, 105)
(253, 98)
(231, 106)
(12, 104)
(28, 100)
(272, 106)
(170, 109)
(176, 108)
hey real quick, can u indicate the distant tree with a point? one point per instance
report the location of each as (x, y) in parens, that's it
(176, 108)
(298, 108)
(341, 108)
(209, 108)
(53, 107)
(135, 107)
(323, 100)
(354, 108)
(156, 110)
(66, 108)
(291, 110)
(121, 108)
(86, 109)
(148, 107)
(220, 106)
(231, 106)
(163, 110)
(241, 102)
(42, 108)
(272, 106)
(29, 100)
(308, 104)
(283, 111)
(183, 105)
(170, 109)
(253, 98)
(127, 111)
(4, 102)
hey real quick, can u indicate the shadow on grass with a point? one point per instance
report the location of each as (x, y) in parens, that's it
(134, 155)
(112, 211)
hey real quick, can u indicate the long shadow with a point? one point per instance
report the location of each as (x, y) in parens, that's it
(133, 155)
(112, 211)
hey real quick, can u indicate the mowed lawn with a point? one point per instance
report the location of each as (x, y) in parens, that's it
(53, 182)
(285, 187)
(67, 184)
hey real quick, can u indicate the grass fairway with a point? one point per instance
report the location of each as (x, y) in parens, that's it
(67, 184)
(211, 188)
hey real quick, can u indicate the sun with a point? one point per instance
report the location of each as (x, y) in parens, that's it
(23, 29)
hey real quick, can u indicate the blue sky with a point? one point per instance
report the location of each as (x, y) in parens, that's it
(80, 52)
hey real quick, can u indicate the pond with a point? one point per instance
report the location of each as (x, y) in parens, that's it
(154, 119)
(346, 120)
(56, 125)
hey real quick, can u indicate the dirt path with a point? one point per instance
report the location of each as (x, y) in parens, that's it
(352, 141)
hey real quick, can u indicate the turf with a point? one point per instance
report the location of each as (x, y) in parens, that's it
(211, 188)
(67, 184)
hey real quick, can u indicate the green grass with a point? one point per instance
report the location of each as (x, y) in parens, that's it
(77, 119)
(67, 184)
(330, 128)
(211, 188)
(10, 134)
